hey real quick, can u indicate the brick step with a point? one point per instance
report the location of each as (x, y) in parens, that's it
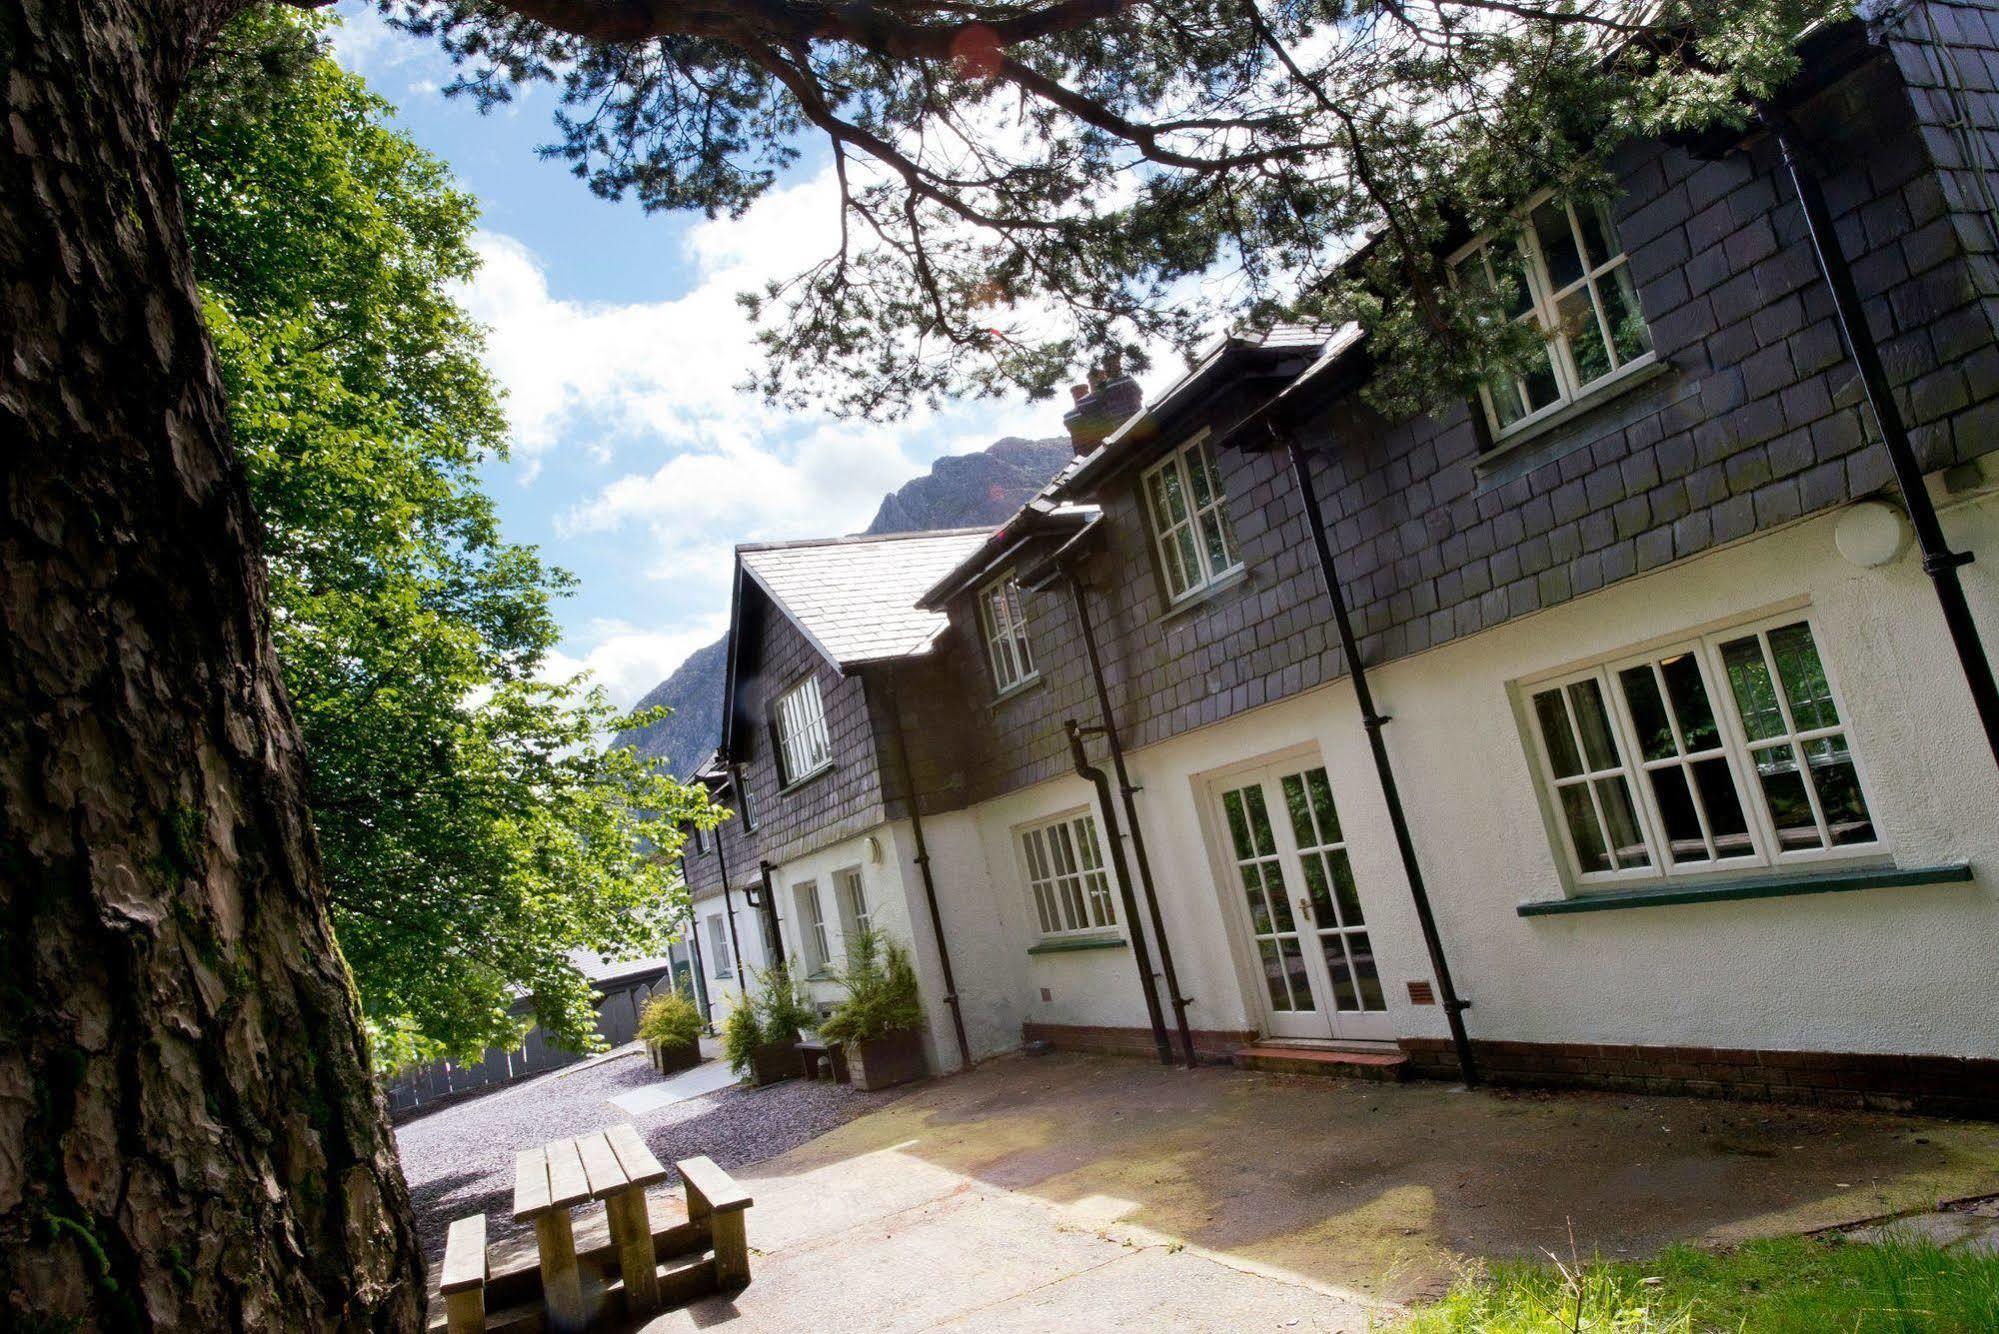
(1326, 1062)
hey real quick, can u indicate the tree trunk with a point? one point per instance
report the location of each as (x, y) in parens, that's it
(189, 1133)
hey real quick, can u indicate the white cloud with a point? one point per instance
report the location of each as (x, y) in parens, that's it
(628, 660)
(657, 382)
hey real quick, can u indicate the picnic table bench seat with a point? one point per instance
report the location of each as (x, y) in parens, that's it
(706, 1253)
(463, 1280)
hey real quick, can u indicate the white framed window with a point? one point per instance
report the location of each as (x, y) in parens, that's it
(851, 893)
(1066, 876)
(1566, 274)
(804, 748)
(812, 926)
(718, 945)
(1726, 751)
(1190, 523)
(1005, 628)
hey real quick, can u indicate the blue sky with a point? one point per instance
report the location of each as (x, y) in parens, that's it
(636, 463)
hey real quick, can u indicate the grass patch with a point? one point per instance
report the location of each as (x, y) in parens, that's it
(1793, 1285)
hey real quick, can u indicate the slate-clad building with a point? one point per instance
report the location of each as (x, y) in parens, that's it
(1688, 766)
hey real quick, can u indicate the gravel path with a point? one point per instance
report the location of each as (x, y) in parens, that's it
(460, 1158)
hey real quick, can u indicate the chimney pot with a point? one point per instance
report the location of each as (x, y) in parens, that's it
(1108, 401)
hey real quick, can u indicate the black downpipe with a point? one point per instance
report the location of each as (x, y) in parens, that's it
(1939, 561)
(1125, 790)
(694, 947)
(772, 933)
(1454, 1008)
(1140, 954)
(729, 912)
(923, 866)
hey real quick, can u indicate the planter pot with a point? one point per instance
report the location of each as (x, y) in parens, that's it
(775, 1061)
(672, 1057)
(884, 1062)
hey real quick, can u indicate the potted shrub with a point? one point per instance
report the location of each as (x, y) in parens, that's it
(880, 1022)
(670, 1026)
(760, 1036)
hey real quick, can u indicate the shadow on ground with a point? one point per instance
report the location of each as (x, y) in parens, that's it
(1037, 1193)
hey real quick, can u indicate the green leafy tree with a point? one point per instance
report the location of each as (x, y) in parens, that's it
(1025, 186)
(475, 827)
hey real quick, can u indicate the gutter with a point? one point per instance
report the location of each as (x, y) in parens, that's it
(1140, 954)
(769, 906)
(1940, 563)
(923, 866)
(729, 912)
(1108, 727)
(1384, 770)
(694, 947)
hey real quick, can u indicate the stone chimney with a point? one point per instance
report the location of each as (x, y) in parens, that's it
(1108, 401)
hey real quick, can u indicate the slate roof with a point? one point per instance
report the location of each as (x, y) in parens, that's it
(855, 597)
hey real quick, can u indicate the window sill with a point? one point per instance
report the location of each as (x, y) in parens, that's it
(1068, 944)
(1621, 381)
(807, 781)
(1756, 887)
(1207, 597)
(1017, 689)
(820, 975)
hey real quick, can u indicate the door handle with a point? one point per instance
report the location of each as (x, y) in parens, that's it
(1305, 911)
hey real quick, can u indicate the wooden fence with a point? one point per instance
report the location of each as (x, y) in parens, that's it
(418, 1087)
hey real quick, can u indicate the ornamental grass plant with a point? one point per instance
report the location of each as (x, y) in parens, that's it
(879, 980)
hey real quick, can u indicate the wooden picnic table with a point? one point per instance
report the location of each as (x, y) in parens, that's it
(613, 1166)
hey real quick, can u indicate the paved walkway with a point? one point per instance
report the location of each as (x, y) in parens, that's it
(1073, 1193)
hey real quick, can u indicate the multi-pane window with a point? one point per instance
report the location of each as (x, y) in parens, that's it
(853, 899)
(1335, 899)
(1190, 522)
(1066, 876)
(700, 841)
(812, 926)
(804, 748)
(718, 945)
(1727, 751)
(1564, 274)
(1005, 629)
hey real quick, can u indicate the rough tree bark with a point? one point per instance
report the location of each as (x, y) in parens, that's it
(189, 1137)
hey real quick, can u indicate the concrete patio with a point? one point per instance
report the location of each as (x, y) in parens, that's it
(1071, 1192)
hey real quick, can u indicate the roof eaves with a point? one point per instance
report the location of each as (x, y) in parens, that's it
(1038, 517)
(1144, 426)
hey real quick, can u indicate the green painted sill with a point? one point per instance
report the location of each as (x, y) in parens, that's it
(1064, 944)
(820, 975)
(1757, 887)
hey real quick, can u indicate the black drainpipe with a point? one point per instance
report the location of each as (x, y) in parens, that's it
(769, 906)
(1140, 954)
(923, 866)
(1939, 561)
(694, 946)
(1125, 790)
(729, 912)
(1454, 1008)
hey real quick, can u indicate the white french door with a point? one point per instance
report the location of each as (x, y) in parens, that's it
(1293, 886)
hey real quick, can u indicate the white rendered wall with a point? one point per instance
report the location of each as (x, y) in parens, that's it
(724, 980)
(1878, 970)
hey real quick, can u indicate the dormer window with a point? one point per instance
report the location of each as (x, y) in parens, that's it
(1005, 628)
(803, 746)
(1190, 522)
(1566, 273)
